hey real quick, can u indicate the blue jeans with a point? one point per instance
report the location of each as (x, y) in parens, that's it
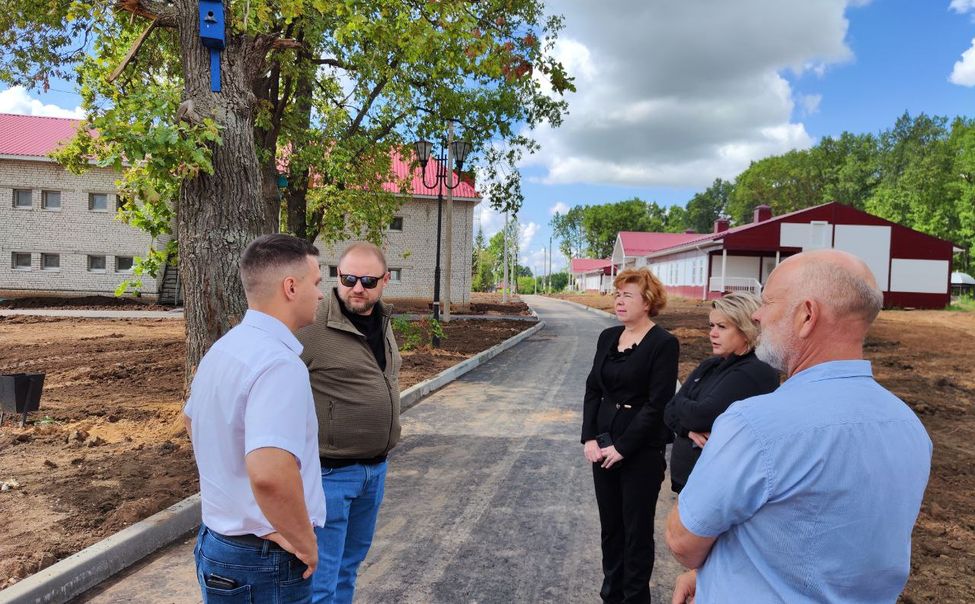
(352, 498)
(257, 574)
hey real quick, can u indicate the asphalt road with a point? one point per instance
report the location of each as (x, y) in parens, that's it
(488, 496)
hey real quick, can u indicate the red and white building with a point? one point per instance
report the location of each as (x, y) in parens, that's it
(591, 274)
(913, 269)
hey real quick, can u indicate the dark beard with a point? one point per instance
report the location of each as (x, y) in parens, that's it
(368, 306)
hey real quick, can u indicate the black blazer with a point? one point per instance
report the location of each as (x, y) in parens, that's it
(706, 394)
(651, 375)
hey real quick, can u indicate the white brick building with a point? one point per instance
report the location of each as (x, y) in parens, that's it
(58, 232)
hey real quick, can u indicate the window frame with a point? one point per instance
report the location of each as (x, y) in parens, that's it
(131, 265)
(392, 222)
(20, 267)
(91, 202)
(97, 270)
(16, 198)
(395, 274)
(44, 203)
(50, 269)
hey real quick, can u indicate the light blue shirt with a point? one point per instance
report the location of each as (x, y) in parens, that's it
(812, 492)
(250, 391)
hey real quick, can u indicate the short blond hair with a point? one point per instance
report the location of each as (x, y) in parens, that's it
(651, 288)
(739, 308)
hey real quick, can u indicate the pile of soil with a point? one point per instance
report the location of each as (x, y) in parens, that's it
(78, 303)
(108, 447)
(925, 358)
(480, 304)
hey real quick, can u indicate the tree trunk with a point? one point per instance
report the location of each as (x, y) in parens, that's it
(219, 214)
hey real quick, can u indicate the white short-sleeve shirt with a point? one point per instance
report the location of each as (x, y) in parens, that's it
(250, 391)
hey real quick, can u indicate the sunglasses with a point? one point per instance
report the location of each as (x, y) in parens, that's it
(366, 281)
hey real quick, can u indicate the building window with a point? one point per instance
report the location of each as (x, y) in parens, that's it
(51, 200)
(333, 271)
(396, 224)
(98, 202)
(96, 264)
(20, 261)
(50, 262)
(395, 274)
(123, 264)
(22, 198)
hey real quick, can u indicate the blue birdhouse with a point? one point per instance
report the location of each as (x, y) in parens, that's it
(212, 23)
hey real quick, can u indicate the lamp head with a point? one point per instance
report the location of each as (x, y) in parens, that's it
(460, 149)
(423, 149)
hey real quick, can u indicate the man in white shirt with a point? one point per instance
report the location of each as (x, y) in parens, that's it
(252, 421)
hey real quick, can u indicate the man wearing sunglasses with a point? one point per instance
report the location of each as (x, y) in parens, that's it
(353, 362)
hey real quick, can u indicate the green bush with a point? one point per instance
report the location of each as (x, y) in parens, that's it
(416, 334)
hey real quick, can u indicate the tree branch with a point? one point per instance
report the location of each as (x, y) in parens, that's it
(164, 13)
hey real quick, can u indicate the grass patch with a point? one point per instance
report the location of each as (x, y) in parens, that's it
(964, 303)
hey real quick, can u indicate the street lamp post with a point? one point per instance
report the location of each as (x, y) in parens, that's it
(459, 150)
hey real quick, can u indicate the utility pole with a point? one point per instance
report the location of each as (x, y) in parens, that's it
(549, 264)
(504, 260)
(449, 227)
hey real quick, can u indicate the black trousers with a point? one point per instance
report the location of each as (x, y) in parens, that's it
(627, 499)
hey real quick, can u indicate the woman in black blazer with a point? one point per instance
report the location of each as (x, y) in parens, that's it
(623, 433)
(733, 374)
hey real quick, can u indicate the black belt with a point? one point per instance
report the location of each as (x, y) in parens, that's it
(248, 540)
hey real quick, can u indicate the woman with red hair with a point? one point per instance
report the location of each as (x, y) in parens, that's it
(633, 376)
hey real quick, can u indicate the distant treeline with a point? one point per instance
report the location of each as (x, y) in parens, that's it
(920, 173)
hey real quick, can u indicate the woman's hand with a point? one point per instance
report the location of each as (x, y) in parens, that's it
(592, 452)
(611, 456)
(700, 438)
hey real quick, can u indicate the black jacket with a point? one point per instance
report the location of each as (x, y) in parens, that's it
(632, 410)
(706, 394)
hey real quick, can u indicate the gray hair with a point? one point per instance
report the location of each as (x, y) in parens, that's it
(739, 307)
(838, 287)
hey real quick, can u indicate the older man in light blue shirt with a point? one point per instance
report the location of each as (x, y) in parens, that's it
(255, 436)
(810, 493)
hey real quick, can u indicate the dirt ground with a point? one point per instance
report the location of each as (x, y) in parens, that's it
(481, 304)
(15, 302)
(926, 358)
(107, 448)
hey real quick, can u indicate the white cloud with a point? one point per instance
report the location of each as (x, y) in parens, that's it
(17, 100)
(670, 95)
(962, 6)
(537, 261)
(558, 208)
(489, 219)
(526, 232)
(810, 103)
(963, 72)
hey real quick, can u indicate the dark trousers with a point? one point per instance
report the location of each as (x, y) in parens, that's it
(627, 499)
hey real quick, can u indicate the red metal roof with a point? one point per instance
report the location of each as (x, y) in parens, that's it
(589, 265)
(638, 244)
(33, 136)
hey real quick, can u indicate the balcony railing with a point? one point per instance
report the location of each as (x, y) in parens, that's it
(735, 284)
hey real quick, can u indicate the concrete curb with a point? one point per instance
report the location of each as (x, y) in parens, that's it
(78, 573)
(95, 314)
(412, 395)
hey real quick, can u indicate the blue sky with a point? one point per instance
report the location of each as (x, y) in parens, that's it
(675, 94)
